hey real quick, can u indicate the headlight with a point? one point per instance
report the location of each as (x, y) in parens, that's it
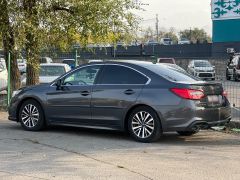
(16, 93)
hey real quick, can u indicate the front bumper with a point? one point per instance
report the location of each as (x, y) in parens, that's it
(205, 75)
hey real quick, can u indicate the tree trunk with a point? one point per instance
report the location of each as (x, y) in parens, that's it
(32, 60)
(32, 42)
(9, 45)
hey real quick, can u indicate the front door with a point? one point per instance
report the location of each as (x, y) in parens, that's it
(71, 103)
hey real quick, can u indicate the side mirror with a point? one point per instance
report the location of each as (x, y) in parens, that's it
(59, 83)
(214, 67)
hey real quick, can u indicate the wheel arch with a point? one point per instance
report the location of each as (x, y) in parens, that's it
(130, 110)
(30, 98)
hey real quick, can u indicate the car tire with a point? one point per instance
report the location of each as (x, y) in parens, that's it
(31, 116)
(235, 78)
(187, 133)
(144, 125)
(227, 76)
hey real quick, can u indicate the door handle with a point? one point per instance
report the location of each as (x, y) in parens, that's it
(85, 93)
(129, 92)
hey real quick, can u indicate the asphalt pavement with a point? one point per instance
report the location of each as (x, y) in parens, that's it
(78, 153)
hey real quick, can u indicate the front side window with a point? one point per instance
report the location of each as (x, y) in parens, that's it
(83, 76)
(114, 74)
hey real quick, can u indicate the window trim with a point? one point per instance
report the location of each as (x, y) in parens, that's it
(114, 64)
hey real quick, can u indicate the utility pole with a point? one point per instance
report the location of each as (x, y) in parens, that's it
(157, 27)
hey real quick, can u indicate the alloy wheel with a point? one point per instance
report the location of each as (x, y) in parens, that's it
(143, 124)
(30, 115)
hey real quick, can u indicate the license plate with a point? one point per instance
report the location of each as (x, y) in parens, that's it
(215, 99)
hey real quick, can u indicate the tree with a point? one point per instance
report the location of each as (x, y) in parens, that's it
(39, 24)
(9, 42)
(196, 35)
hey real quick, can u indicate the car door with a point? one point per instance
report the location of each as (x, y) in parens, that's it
(70, 103)
(116, 91)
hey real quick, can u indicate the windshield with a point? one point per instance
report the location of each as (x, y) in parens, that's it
(52, 70)
(202, 64)
(171, 73)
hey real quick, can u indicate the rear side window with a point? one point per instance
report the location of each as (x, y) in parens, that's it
(114, 74)
(171, 73)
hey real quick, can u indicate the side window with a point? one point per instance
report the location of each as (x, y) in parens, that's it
(114, 74)
(83, 76)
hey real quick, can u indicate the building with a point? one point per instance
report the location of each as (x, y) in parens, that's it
(226, 20)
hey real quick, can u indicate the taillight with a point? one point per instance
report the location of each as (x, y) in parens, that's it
(191, 94)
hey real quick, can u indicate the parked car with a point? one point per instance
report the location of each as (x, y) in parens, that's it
(152, 43)
(46, 60)
(202, 69)
(233, 68)
(3, 75)
(22, 65)
(50, 72)
(166, 41)
(70, 62)
(166, 60)
(94, 60)
(184, 41)
(142, 98)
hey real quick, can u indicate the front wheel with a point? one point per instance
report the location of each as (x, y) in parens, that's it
(31, 116)
(144, 125)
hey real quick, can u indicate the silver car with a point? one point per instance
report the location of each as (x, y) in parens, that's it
(202, 69)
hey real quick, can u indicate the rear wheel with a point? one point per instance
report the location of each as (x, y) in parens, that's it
(31, 116)
(227, 76)
(144, 125)
(187, 133)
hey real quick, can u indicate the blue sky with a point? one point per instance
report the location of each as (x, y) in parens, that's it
(180, 14)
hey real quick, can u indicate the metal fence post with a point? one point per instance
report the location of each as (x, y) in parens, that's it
(9, 80)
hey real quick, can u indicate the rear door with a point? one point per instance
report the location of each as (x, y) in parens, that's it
(117, 90)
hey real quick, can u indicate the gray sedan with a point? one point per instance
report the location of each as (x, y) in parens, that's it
(141, 98)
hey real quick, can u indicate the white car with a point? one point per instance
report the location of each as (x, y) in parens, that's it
(166, 41)
(22, 65)
(50, 72)
(202, 69)
(184, 41)
(3, 75)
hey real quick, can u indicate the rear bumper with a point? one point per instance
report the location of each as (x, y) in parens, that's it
(206, 125)
(191, 117)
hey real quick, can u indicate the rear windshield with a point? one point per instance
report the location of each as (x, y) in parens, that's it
(52, 70)
(171, 73)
